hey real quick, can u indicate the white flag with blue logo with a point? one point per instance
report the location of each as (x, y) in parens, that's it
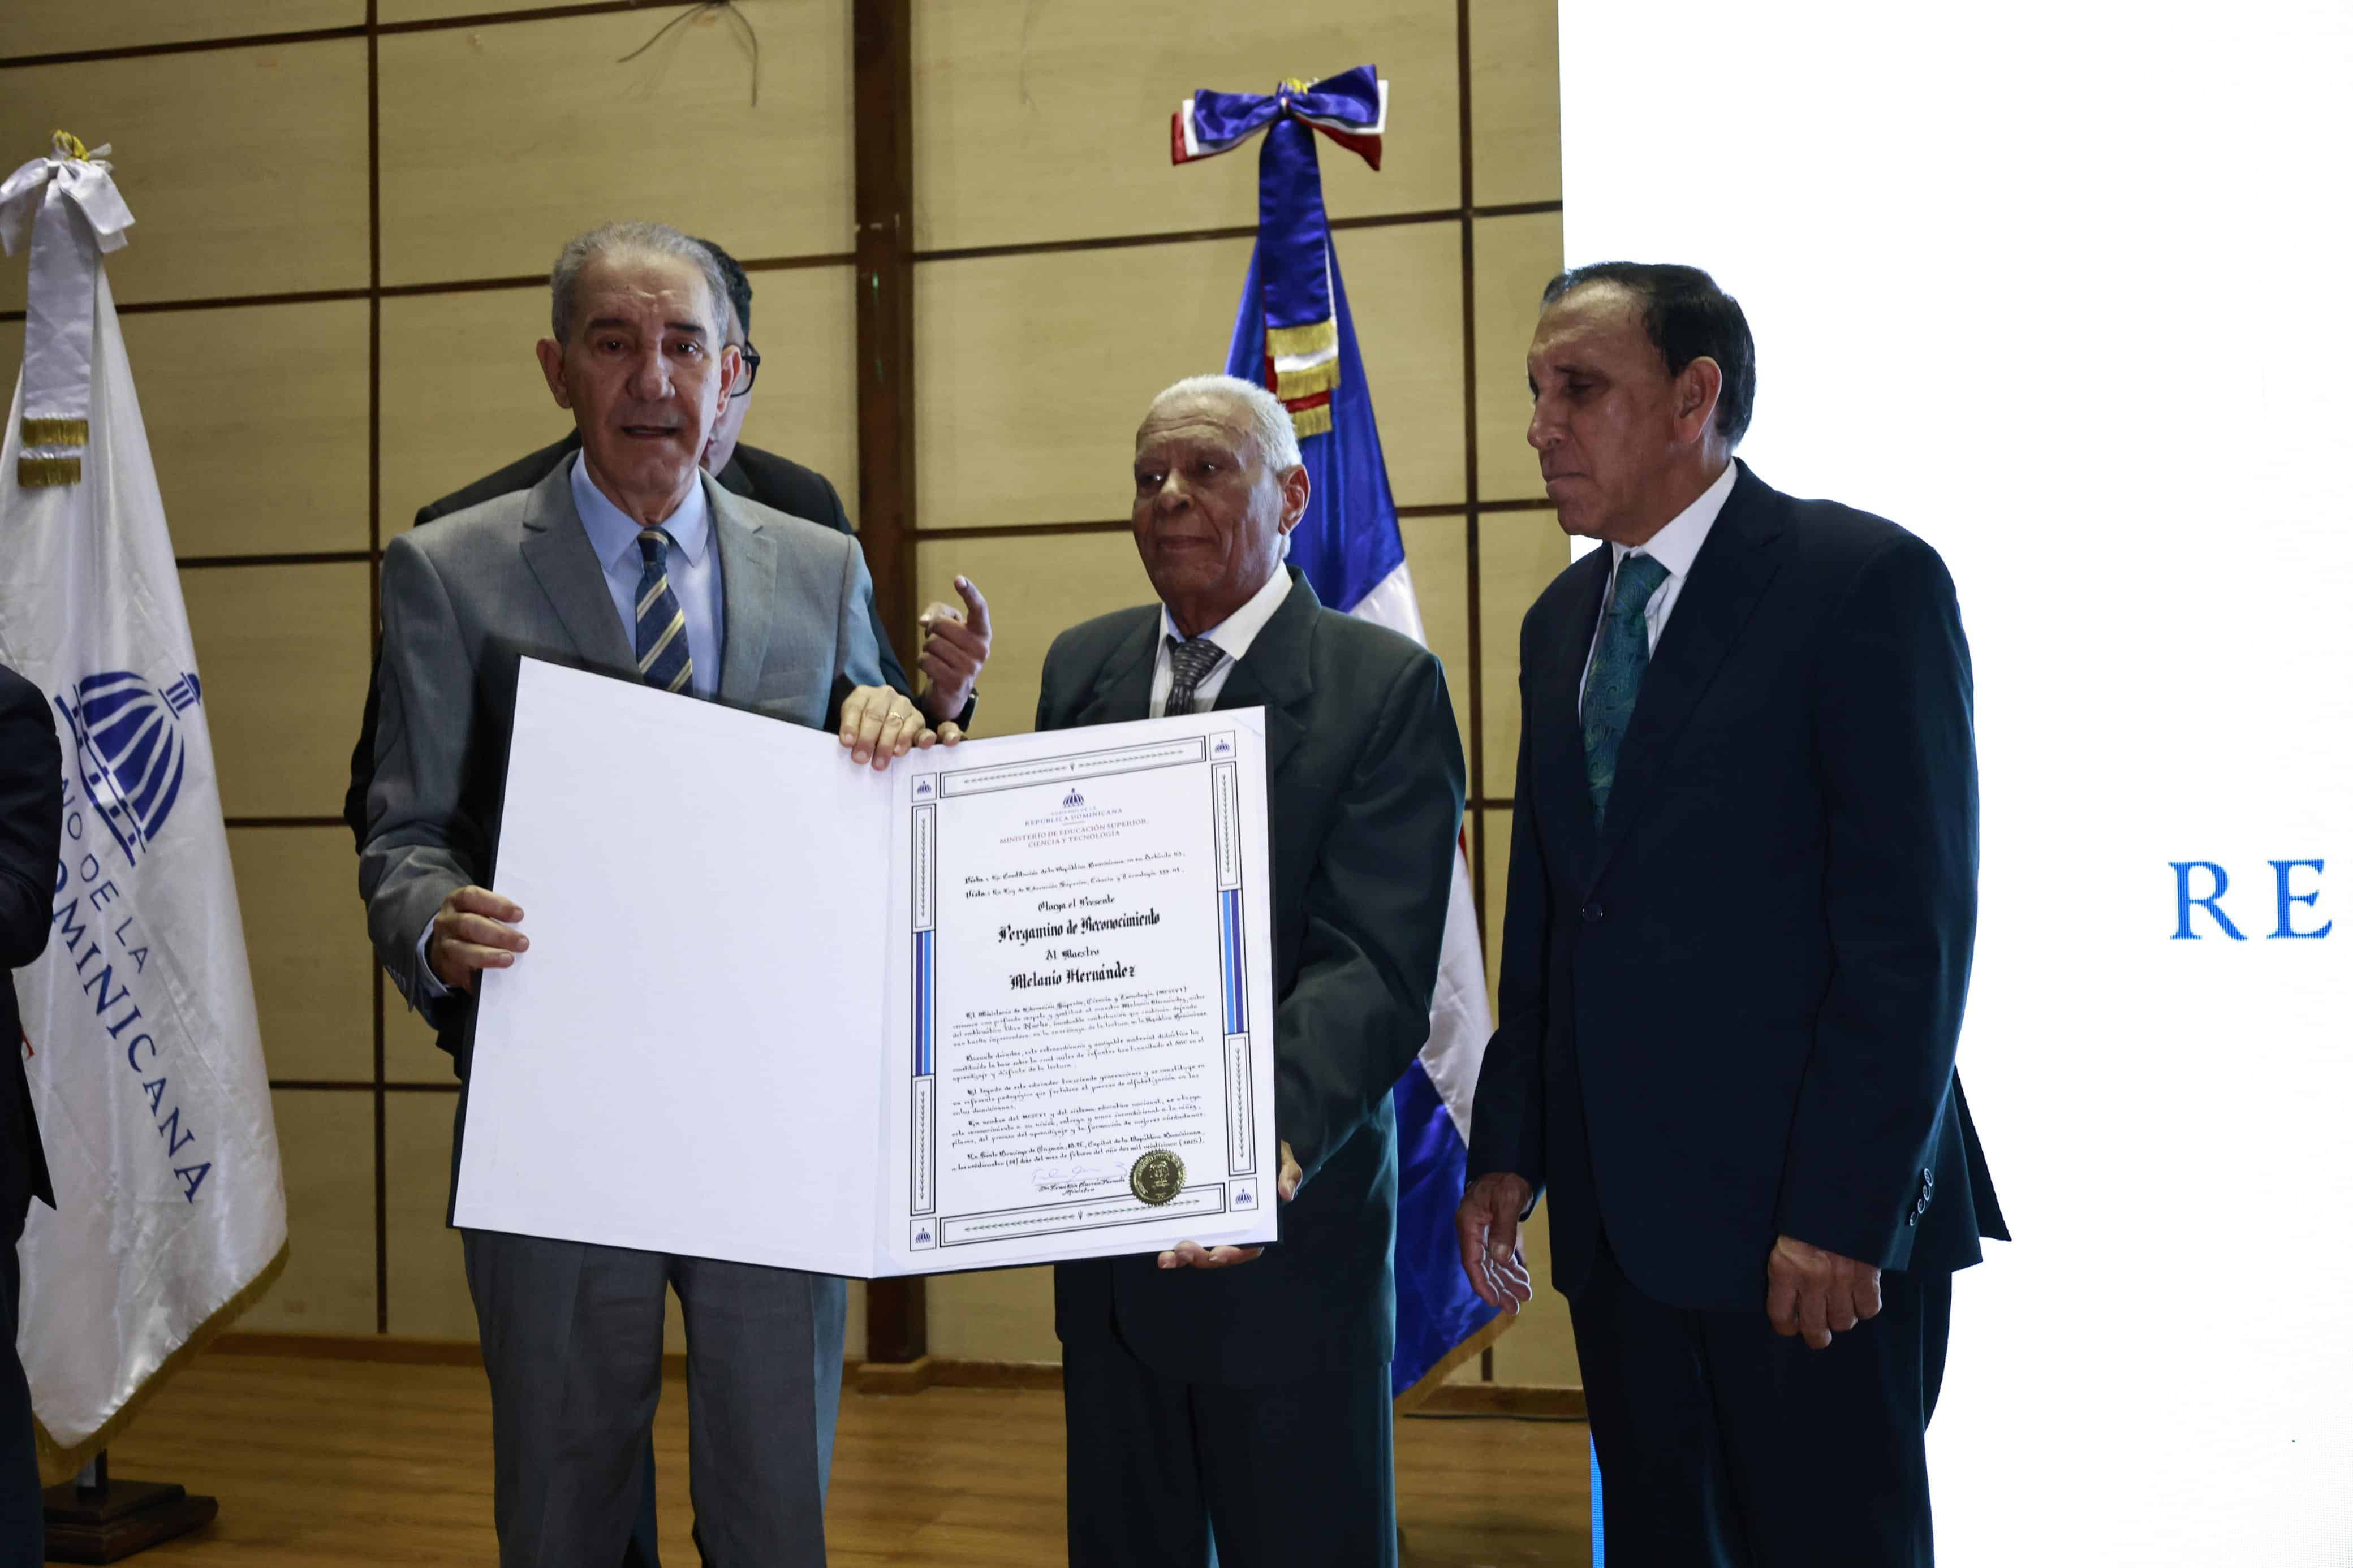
(145, 1055)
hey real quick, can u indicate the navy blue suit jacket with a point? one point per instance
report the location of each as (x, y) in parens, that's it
(1731, 1013)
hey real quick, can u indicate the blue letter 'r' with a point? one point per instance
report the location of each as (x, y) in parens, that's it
(2210, 902)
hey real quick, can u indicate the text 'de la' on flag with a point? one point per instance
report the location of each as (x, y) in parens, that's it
(144, 1055)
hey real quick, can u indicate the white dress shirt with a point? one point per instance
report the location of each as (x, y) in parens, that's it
(1233, 636)
(1675, 547)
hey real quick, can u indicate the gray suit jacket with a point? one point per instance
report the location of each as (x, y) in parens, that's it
(464, 601)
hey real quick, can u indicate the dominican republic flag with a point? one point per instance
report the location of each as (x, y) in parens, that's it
(143, 1052)
(1293, 335)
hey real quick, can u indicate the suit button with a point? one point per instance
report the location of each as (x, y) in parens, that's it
(1927, 1178)
(1592, 914)
(1913, 1218)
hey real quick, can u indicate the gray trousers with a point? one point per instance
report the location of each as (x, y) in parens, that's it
(572, 1339)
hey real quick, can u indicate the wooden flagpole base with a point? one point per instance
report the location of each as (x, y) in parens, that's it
(108, 1520)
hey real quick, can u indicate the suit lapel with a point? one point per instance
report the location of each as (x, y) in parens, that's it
(555, 547)
(1123, 690)
(1274, 674)
(1729, 577)
(1557, 748)
(747, 580)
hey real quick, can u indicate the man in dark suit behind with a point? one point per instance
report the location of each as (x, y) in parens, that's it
(955, 640)
(1737, 945)
(1218, 1392)
(31, 809)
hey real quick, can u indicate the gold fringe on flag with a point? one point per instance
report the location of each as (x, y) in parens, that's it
(54, 432)
(1316, 378)
(1316, 421)
(41, 473)
(1290, 343)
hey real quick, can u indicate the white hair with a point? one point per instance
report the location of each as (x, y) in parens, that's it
(639, 238)
(1269, 420)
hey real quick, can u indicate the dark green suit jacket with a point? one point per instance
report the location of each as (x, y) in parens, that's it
(1364, 800)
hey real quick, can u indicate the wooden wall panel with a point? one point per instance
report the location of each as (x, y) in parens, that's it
(1437, 555)
(805, 403)
(463, 394)
(392, 11)
(1035, 370)
(501, 143)
(283, 652)
(1036, 587)
(1000, 1314)
(409, 1054)
(306, 944)
(1517, 257)
(1519, 552)
(424, 1266)
(1037, 122)
(39, 29)
(244, 169)
(258, 418)
(326, 1142)
(1515, 102)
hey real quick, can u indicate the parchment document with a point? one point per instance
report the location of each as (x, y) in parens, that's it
(1088, 1042)
(1009, 1002)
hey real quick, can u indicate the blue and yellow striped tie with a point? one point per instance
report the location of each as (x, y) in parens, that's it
(664, 659)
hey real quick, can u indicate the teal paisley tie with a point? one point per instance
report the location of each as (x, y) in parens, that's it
(1619, 656)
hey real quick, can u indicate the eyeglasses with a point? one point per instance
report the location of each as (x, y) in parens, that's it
(751, 370)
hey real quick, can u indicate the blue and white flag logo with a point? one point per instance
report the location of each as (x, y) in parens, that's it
(131, 754)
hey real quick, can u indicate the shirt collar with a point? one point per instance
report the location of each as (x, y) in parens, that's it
(1235, 634)
(1676, 546)
(613, 533)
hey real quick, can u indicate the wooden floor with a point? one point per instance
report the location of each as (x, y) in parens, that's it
(333, 1464)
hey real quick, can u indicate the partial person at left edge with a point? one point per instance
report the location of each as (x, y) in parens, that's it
(626, 560)
(32, 809)
(957, 637)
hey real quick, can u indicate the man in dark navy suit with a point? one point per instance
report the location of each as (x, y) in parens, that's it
(1736, 946)
(31, 808)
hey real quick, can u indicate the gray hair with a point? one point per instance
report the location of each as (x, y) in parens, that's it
(1269, 420)
(642, 239)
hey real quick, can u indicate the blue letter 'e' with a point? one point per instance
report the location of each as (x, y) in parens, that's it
(2281, 868)
(2209, 903)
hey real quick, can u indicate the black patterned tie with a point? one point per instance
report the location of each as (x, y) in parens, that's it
(1189, 664)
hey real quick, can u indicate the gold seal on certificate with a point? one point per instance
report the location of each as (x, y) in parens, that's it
(1157, 1177)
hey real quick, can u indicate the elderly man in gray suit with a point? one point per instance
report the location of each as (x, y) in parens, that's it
(629, 560)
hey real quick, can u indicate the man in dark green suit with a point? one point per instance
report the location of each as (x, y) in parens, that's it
(1242, 1395)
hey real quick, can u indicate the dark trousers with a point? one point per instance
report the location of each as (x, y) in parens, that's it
(572, 1341)
(1724, 1446)
(1290, 1475)
(20, 1464)
(644, 1550)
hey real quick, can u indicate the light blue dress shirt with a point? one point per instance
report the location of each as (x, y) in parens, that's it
(694, 577)
(693, 565)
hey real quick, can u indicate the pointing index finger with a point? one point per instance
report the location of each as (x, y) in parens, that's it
(970, 594)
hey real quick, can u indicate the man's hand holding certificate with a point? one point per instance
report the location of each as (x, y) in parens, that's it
(1047, 1033)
